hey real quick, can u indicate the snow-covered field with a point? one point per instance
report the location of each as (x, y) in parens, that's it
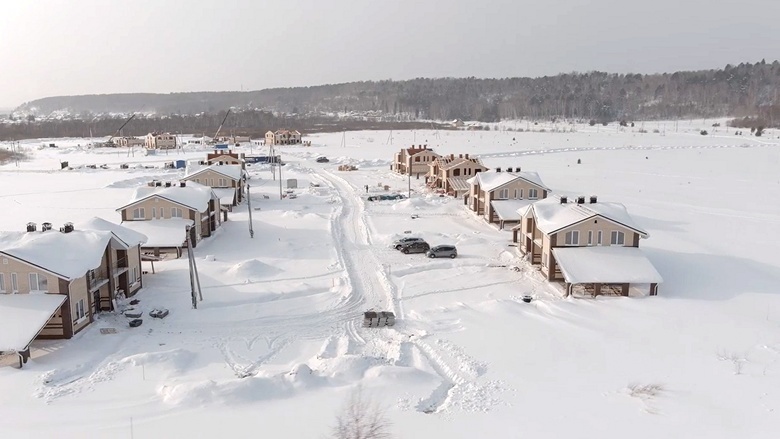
(276, 346)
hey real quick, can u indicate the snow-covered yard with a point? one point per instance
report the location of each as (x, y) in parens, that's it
(276, 345)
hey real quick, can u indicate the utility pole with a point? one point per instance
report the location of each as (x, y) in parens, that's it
(280, 180)
(409, 174)
(249, 206)
(192, 264)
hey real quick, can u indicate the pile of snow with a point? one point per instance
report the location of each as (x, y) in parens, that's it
(252, 269)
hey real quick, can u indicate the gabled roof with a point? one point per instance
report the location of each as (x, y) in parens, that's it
(611, 264)
(65, 255)
(459, 183)
(193, 195)
(552, 216)
(164, 233)
(447, 162)
(414, 151)
(23, 316)
(233, 172)
(510, 210)
(489, 181)
(129, 237)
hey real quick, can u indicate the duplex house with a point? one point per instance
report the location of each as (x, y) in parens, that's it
(585, 242)
(451, 174)
(228, 181)
(498, 196)
(414, 160)
(54, 282)
(283, 137)
(164, 211)
(226, 157)
(160, 141)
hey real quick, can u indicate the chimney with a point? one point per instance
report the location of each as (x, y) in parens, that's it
(158, 183)
(45, 227)
(167, 184)
(67, 228)
(467, 156)
(593, 199)
(508, 169)
(182, 183)
(580, 200)
(460, 156)
(32, 227)
(151, 183)
(517, 169)
(498, 169)
(564, 199)
(452, 156)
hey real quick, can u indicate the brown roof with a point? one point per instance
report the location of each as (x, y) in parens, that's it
(448, 162)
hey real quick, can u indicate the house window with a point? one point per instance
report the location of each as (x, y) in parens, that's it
(197, 180)
(176, 212)
(38, 282)
(80, 310)
(518, 194)
(572, 238)
(533, 194)
(590, 237)
(456, 172)
(223, 182)
(14, 283)
(2, 283)
(154, 212)
(598, 240)
(618, 238)
(503, 194)
(139, 213)
(417, 159)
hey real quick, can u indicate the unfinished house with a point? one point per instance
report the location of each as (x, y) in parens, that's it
(160, 141)
(498, 195)
(283, 137)
(228, 182)
(164, 211)
(225, 157)
(413, 161)
(450, 174)
(590, 245)
(53, 281)
(129, 142)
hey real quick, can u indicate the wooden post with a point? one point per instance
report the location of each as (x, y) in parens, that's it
(653, 289)
(596, 289)
(624, 290)
(249, 207)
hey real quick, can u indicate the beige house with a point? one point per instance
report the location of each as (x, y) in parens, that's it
(228, 181)
(283, 137)
(226, 157)
(451, 173)
(164, 211)
(54, 281)
(160, 141)
(498, 196)
(129, 142)
(414, 160)
(587, 243)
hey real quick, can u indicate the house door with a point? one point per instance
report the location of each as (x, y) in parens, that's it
(96, 302)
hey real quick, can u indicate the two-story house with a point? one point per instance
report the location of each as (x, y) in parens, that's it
(414, 160)
(498, 196)
(164, 211)
(160, 141)
(451, 173)
(54, 281)
(228, 181)
(283, 137)
(584, 241)
(226, 157)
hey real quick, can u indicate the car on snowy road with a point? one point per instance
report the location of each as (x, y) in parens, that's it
(399, 243)
(415, 247)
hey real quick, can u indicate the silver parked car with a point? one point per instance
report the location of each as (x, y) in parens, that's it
(398, 244)
(442, 251)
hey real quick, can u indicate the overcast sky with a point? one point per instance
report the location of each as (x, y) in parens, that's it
(67, 47)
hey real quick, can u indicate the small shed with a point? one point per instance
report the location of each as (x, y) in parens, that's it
(292, 183)
(180, 164)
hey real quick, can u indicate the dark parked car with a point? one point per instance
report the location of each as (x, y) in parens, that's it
(398, 244)
(442, 251)
(415, 247)
(386, 197)
(322, 160)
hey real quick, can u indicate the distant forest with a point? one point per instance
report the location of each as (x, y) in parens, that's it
(735, 90)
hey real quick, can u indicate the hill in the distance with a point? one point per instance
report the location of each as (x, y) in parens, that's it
(744, 89)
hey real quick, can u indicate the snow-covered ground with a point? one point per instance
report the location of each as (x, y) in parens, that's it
(276, 345)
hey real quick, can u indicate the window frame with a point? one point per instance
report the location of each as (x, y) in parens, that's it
(590, 237)
(2, 282)
(568, 238)
(139, 213)
(617, 237)
(600, 237)
(14, 283)
(533, 194)
(503, 194)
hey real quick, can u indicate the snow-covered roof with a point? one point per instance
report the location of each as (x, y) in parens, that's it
(226, 195)
(459, 183)
(130, 237)
(449, 162)
(489, 181)
(509, 210)
(610, 264)
(193, 195)
(22, 316)
(552, 215)
(66, 255)
(170, 232)
(231, 171)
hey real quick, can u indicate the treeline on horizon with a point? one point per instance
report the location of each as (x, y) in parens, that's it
(738, 90)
